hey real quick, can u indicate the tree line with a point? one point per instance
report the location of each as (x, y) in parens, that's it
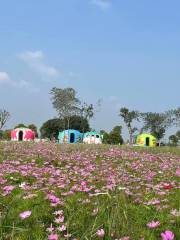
(76, 114)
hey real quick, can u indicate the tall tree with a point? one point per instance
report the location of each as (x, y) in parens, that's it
(115, 136)
(65, 103)
(177, 116)
(4, 117)
(33, 128)
(178, 135)
(156, 123)
(6, 134)
(79, 123)
(173, 139)
(51, 128)
(128, 118)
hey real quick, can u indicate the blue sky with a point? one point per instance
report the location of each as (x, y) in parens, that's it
(125, 52)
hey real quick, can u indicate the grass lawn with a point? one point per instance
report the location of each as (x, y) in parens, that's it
(50, 191)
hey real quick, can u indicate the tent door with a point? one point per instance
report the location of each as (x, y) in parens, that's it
(20, 136)
(72, 138)
(147, 141)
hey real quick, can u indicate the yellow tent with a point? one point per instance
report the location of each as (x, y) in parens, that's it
(146, 140)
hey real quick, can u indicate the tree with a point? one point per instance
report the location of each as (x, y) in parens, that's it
(79, 123)
(178, 135)
(128, 118)
(1, 134)
(6, 134)
(87, 111)
(21, 125)
(173, 140)
(65, 103)
(105, 138)
(114, 137)
(33, 128)
(4, 117)
(177, 116)
(51, 128)
(156, 123)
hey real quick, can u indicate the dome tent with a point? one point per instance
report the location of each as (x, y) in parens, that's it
(22, 134)
(146, 140)
(69, 136)
(92, 138)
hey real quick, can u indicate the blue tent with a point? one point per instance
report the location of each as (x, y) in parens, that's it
(69, 136)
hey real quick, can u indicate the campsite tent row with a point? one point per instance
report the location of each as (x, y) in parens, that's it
(67, 136)
(74, 136)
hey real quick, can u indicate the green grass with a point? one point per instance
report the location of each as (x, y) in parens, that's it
(118, 213)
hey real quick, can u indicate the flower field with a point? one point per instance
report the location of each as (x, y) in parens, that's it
(48, 191)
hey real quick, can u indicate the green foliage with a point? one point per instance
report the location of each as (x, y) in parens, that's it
(33, 128)
(79, 123)
(4, 117)
(156, 123)
(128, 118)
(176, 113)
(114, 137)
(173, 140)
(21, 125)
(6, 135)
(178, 135)
(51, 128)
(65, 102)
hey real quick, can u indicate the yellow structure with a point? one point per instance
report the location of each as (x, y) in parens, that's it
(146, 140)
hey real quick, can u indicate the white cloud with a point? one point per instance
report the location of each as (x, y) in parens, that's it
(102, 4)
(4, 77)
(35, 60)
(26, 85)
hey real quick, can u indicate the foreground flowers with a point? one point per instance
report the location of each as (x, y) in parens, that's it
(89, 193)
(100, 233)
(53, 237)
(153, 224)
(167, 235)
(25, 214)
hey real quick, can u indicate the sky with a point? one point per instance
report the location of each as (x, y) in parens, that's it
(126, 53)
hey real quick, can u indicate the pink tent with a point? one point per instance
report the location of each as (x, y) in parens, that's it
(22, 134)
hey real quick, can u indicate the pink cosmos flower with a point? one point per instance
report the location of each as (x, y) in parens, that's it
(62, 228)
(2, 181)
(153, 224)
(53, 237)
(59, 219)
(8, 188)
(167, 235)
(25, 214)
(100, 233)
(50, 229)
(58, 212)
(178, 172)
(175, 213)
